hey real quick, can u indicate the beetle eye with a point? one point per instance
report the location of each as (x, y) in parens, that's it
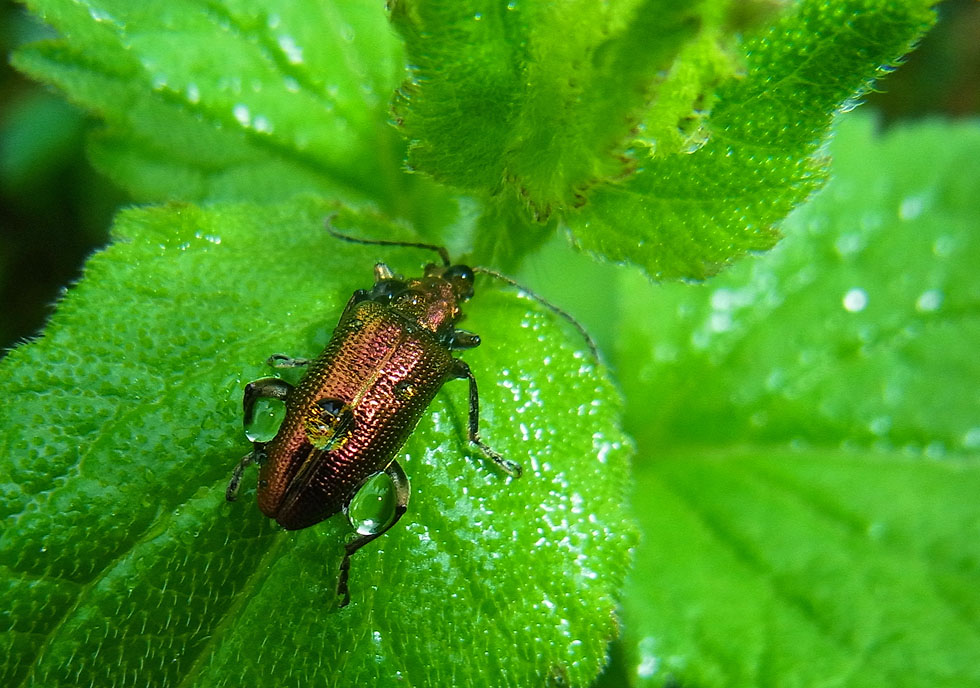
(460, 272)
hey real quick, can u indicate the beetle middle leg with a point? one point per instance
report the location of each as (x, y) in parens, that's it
(402, 492)
(460, 371)
(266, 388)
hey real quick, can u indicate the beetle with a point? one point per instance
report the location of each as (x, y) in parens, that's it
(361, 398)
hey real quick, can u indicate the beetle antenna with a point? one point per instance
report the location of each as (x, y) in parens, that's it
(443, 253)
(547, 304)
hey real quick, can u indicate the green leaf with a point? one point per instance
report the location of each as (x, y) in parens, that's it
(627, 119)
(588, 111)
(809, 422)
(689, 215)
(230, 100)
(124, 565)
(541, 97)
(783, 568)
(868, 311)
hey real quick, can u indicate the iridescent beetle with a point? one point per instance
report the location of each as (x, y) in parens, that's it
(362, 397)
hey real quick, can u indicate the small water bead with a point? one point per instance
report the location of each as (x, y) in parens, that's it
(855, 300)
(293, 52)
(929, 301)
(242, 114)
(911, 208)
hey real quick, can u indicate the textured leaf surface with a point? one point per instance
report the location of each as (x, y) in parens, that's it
(688, 215)
(229, 99)
(810, 437)
(625, 120)
(123, 565)
(632, 112)
(539, 96)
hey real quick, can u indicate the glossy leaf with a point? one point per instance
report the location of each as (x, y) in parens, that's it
(809, 438)
(124, 565)
(229, 100)
(535, 96)
(631, 122)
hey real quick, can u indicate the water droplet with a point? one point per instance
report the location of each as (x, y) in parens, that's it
(294, 53)
(266, 419)
(880, 425)
(722, 299)
(929, 301)
(720, 322)
(855, 300)
(911, 208)
(971, 440)
(193, 94)
(847, 244)
(100, 15)
(242, 114)
(262, 124)
(373, 507)
(649, 662)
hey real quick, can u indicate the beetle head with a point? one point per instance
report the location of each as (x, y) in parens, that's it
(433, 300)
(461, 279)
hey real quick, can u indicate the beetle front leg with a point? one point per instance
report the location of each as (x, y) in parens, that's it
(402, 491)
(512, 468)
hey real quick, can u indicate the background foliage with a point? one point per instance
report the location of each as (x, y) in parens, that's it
(805, 423)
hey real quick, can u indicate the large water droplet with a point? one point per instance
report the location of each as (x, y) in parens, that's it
(373, 507)
(266, 419)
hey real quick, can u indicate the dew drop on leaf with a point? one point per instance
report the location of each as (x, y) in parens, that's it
(855, 300)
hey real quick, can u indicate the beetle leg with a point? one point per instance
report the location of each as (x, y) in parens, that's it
(284, 361)
(257, 455)
(402, 492)
(266, 388)
(460, 371)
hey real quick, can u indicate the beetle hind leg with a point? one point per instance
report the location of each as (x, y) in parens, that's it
(402, 492)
